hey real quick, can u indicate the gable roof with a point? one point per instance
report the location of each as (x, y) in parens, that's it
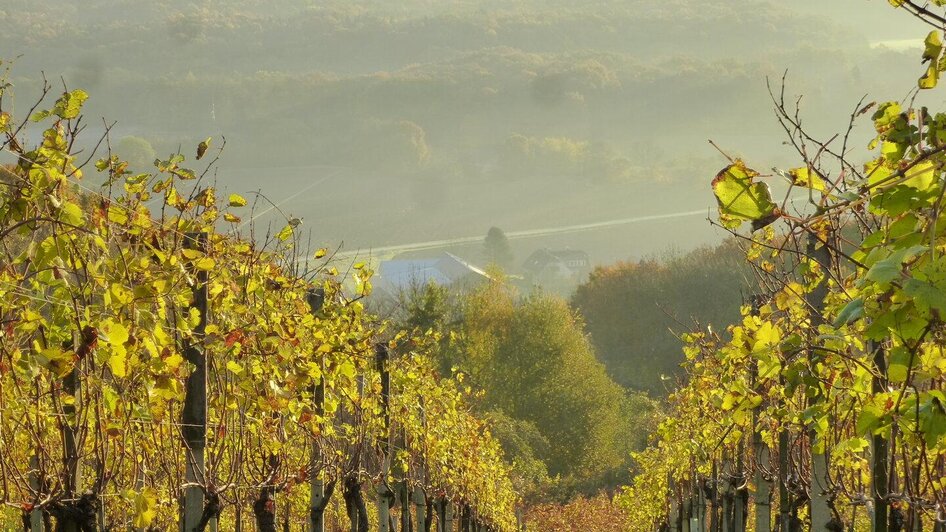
(540, 258)
(444, 270)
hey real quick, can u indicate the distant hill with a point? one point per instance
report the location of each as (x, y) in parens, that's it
(443, 118)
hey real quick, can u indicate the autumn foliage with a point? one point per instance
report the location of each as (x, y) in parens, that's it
(580, 514)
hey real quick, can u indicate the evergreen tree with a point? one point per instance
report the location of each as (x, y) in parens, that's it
(496, 249)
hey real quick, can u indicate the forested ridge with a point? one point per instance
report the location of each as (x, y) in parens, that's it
(432, 105)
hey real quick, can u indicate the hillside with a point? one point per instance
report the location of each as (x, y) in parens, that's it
(515, 114)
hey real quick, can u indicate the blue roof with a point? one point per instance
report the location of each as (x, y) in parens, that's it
(405, 272)
(400, 274)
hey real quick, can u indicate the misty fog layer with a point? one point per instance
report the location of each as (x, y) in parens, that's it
(441, 119)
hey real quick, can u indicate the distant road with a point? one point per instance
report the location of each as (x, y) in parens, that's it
(514, 235)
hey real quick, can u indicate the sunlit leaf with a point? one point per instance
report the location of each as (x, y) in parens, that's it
(741, 198)
(285, 233)
(933, 47)
(145, 507)
(237, 200)
(808, 178)
(202, 147)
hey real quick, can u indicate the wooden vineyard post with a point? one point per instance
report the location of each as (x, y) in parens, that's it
(404, 498)
(420, 508)
(673, 516)
(402, 494)
(194, 415)
(71, 458)
(441, 508)
(420, 499)
(697, 504)
(714, 499)
(740, 493)
(763, 484)
(820, 512)
(317, 496)
(879, 449)
(784, 499)
(821, 515)
(464, 518)
(727, 494)
(447, 515)
(381, 360)
(36, 516)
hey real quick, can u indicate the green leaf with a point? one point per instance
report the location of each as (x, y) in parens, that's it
(71, 214)
(117, 214)
(899, 365)
(191, 254)
(886, 115)
(766, 338)
(925, 295)
(877, 173)
(805, 177)
(853, 311)
(854, 445)
(39, 116)
(204, 263)
(886, 270)
(116, 363)
(146, 503)
(933, 418)
(57, 360)
(115, 333)
(892, 151)
(894, 201)
(347, 369)
(70, 103)
(869, 420)
(285, 233)
(741, 199)
(921, 177)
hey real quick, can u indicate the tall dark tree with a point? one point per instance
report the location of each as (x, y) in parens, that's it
(496, 249)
